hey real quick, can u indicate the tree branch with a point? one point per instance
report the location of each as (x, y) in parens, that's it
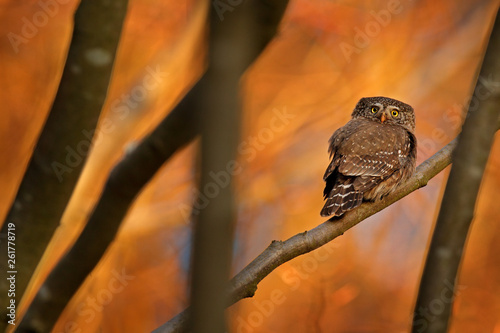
(125, 182)
(53, 171)
(244, 284)
(457, 208)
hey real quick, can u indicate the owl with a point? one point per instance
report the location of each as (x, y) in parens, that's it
(370, 155)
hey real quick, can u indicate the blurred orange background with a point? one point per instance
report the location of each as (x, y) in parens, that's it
(303, 86)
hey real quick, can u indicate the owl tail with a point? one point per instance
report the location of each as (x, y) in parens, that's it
(342, 198)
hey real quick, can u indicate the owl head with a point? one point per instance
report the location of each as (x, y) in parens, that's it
(386, 111)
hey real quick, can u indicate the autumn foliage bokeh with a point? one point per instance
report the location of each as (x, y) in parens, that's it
(303, 86)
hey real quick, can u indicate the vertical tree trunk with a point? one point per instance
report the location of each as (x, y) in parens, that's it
(438, 284)
(232, 46)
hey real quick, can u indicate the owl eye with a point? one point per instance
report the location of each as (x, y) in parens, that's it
(395, 113)
(374, 109)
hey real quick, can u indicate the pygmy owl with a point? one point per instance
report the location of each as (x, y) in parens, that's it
(370, 155)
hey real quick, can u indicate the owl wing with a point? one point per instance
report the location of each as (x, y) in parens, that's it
(364, 154)
(374, 150)
(334, 143)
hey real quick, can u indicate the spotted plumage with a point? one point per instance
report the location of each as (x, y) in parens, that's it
(370, 155)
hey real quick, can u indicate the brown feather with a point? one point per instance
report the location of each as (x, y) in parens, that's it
(369, 159)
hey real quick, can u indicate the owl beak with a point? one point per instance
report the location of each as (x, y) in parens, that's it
(383, 117)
